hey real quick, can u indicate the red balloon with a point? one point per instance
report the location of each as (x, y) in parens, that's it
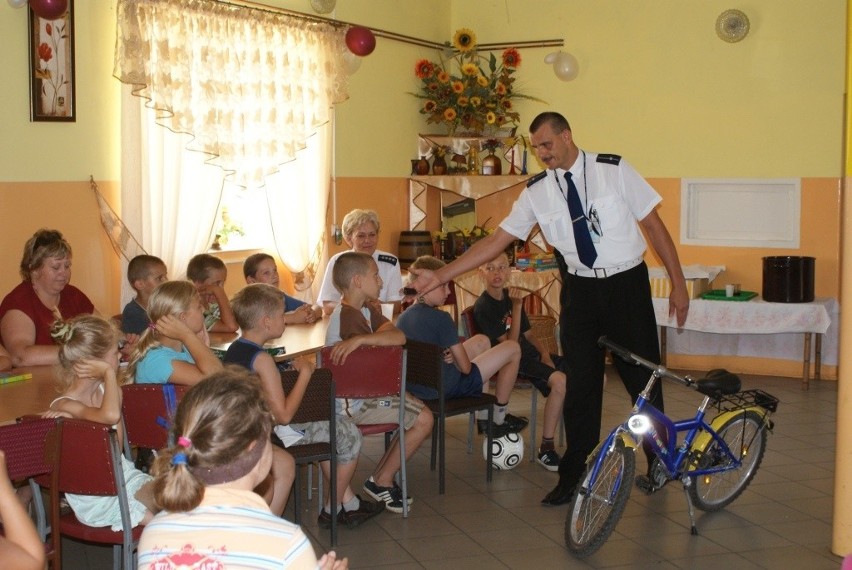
(360, 41)
(49, 9)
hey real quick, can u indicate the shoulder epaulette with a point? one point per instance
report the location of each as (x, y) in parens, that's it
(609, 159)
(536, 178)
(387, 258)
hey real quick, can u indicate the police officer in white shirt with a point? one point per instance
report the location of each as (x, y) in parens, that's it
(606, 291)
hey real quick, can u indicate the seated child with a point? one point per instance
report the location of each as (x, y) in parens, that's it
(259, 309)
(144, 272)
(204, 486)
(354, 322)
(468, 365)
(5, 359)
(88, 382)
(261, 268)
(499, 314)
(208, 274)
(20, 546)
(170, 349)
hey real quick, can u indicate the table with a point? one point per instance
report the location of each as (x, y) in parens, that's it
(545, 284)
(297, 340)
(31, 396)
(753, 328)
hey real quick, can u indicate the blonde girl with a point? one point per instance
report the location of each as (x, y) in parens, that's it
(87, 379)
(204, 485)
(171, 350)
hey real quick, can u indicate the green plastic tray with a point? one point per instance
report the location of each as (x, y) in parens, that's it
(273, 351)
(719, 295)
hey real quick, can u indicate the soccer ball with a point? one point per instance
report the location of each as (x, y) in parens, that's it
(506, 452)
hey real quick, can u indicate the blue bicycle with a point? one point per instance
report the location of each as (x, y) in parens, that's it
(715, 461)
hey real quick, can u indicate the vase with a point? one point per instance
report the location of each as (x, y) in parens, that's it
(422, 166)
(439, 166)
(492, 165)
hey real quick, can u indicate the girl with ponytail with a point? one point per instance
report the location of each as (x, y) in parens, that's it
(204, 486)
(171, 349)
(87, 379)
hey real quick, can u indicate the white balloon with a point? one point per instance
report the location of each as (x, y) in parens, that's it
(551, 57)
(565, 66)
(351, 62)
(17, 3)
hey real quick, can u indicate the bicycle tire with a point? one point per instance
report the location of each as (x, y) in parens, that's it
(717, 490)
(593, 513)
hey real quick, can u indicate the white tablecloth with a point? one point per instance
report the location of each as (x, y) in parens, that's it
(752, 328)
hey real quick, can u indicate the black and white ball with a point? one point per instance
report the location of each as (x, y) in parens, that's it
(506, 452)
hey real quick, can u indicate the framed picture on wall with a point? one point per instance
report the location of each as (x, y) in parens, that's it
(52, 88)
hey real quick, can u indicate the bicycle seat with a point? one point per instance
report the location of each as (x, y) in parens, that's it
(719, 382)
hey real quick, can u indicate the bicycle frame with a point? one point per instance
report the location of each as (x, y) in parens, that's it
(675, 458)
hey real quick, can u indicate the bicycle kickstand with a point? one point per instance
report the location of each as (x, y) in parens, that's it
(693, 530)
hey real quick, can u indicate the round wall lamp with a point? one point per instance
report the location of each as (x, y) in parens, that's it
(732, 26)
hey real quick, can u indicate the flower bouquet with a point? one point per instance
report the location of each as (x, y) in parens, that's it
(470, 91)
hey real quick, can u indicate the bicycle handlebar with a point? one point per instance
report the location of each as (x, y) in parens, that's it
(657, 369)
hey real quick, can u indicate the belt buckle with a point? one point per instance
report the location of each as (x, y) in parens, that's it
(600, 273)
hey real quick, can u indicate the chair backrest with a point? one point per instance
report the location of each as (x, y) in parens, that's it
(318, 402)
(89, 459)
(26, 447)
(32, 449)
(147, 410)
(423, 364)
(469, 323)
(369, 371)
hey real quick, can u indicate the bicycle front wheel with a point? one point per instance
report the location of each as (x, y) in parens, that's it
(596, 508)
(745, 436)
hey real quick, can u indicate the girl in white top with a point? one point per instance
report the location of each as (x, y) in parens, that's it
(87, 379)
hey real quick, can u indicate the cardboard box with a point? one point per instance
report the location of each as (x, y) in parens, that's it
(662, 287)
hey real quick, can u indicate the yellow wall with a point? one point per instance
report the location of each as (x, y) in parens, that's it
(656, 85)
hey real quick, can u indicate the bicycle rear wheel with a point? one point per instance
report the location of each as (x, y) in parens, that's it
(745, 436)
(595, 510)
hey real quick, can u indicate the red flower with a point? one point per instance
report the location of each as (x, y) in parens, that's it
(424, 69)
(44, 52)
(48, 28)
(511, 58)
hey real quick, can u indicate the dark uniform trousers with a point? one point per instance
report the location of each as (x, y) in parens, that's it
(619, 307)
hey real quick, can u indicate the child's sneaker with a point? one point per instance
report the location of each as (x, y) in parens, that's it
(391, 496)
(549, 460)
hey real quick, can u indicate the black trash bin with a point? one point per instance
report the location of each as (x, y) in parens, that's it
(788, 279)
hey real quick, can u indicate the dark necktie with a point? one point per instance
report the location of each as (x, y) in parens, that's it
(582, 237)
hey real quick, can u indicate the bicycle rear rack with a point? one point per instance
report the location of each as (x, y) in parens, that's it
(745, 399)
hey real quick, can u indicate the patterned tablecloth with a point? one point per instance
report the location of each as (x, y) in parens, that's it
(752, 328)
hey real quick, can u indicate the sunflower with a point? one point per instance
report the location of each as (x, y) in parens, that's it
(482, 81)
(458, 87)
(449, 114)
(470, 69)
(491, 118)
(443, 76)
(464, 40)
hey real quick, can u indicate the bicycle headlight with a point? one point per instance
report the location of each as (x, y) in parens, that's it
(638, 424)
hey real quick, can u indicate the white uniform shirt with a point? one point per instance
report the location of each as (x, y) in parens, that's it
(388, 271)
(616, 193)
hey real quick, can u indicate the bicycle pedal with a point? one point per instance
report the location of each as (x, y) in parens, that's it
(644, 484)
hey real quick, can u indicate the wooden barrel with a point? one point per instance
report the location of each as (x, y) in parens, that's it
(413, 244)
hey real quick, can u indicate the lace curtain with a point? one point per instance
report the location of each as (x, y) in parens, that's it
(249, 85)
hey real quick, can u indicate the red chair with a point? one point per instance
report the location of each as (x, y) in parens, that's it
(374, 372)
(424, 367)
(147, 411)
(90, 464)
(30, 447)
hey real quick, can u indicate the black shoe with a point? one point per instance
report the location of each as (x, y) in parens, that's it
(350, 519)
(515, 423)
(560, 495)
(511, 424)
